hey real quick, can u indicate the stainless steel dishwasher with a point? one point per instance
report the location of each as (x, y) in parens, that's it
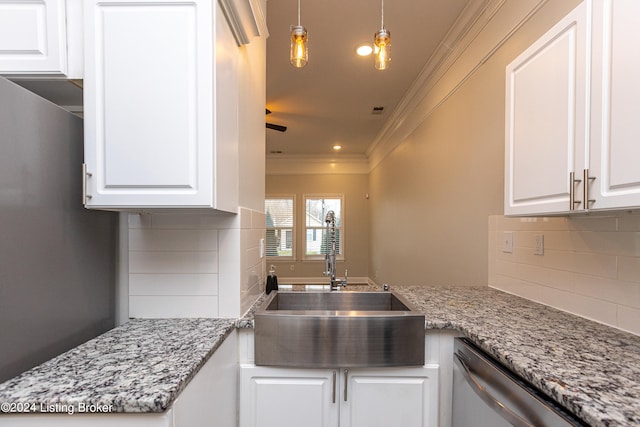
(486, 394)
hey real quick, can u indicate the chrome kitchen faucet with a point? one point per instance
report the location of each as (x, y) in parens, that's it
(330, 256)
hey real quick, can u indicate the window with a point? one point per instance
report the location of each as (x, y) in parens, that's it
(280, 226)
(317, 241)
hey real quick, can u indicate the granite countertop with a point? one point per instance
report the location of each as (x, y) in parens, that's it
(140, 366)
(589, 368)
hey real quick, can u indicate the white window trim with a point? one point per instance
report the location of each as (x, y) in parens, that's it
(303, 225)
(294, 227)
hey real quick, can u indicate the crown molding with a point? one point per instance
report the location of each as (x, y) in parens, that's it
(482, 28)
(246, 18)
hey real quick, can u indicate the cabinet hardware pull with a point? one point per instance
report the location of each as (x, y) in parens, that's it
(587, 181)
(572, 197)
(85, 174)
(346, 383)
(487, 397)
(334, 386)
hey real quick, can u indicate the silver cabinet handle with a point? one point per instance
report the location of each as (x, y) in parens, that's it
(85, 175)
(334, 385)
(488, 398)
(572, 193)
(346, 383)
(587, 180)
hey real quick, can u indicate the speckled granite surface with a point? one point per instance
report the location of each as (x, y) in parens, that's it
(591, 369)
(140, 366)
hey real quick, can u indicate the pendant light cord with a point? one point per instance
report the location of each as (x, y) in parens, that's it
(382, 14)
(299, 13)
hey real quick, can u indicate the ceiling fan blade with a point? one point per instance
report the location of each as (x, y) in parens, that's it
(279, 128)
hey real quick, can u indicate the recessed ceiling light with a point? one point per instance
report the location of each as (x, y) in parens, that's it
(364, 49)
(337, 147)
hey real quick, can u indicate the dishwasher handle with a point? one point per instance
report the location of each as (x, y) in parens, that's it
(488, 398)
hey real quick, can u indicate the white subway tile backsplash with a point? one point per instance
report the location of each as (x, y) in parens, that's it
(169, 262)
(556, 240)
(590, 266)
(612, 290)
(195, 265)
(558, 260)
(173, 240)
(208, 221)
(139, 221)
(596, 264)
(160, 306)
(245, 218)
(538, 223)
(629, 319)
(629, 221)
(173, 284)
(626, 244)
(629, 269)
(593, 223)
(591, 308)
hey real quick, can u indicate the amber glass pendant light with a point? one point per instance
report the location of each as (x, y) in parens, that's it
(382, 46)
(299, 53)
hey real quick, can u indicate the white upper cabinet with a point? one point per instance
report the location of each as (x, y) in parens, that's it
(41, 38)
(615, 112)
(572, 135)
(161, 106)
(546, 114)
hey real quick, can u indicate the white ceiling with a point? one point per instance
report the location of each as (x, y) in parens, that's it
(330, 100)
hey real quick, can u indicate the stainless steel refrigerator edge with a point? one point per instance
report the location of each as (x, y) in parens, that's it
(57, 259)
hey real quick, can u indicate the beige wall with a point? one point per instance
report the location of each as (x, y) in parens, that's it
(356, 223)
(431, 197)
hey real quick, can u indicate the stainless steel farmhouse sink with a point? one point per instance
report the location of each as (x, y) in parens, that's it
(338, 329)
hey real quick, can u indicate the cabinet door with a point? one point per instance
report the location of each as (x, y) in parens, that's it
(615, 124)
(406, 397)
(278, 397)
(33, 37)
(546, 109)
(149, 103)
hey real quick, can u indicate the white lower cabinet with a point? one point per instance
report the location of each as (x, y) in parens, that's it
(405, 397)
(281, 397)
(363, 397)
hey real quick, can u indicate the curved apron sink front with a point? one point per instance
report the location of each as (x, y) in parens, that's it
(338, 329)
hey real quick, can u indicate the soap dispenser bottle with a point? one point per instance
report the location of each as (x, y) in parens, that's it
(272, 280)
